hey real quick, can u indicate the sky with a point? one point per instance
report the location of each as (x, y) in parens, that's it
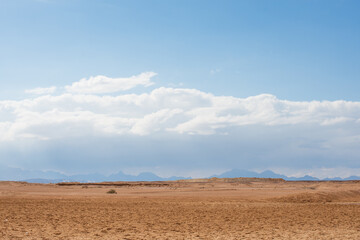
(189, 88)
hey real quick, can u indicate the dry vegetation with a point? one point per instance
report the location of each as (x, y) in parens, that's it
(191, 209)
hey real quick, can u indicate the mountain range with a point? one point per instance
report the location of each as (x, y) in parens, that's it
(17, 174)
(270, 174)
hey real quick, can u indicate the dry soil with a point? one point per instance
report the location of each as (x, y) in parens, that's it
(195, 209)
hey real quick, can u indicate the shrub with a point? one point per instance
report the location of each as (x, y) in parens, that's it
(111, 191)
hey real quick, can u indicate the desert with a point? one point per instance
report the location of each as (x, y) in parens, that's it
(240, 208)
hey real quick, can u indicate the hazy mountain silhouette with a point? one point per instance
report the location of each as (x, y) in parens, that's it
(234, 173)
(245, 173)
(266, 174)
(17, 174)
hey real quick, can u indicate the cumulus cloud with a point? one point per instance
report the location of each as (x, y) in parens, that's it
(41, 91)
(184, 124)
(103, 84)
(154, 121)
(171, 110)
(80, 111)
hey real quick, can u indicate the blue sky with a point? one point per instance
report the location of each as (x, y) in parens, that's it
(296, 52)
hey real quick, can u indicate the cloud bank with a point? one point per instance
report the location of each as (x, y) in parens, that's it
(166, 110)
(252, 132)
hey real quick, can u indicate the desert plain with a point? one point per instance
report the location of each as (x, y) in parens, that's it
(239, 208)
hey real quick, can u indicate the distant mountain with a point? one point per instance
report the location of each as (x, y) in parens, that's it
(41, 180)
(17, 174)
(304, 178)
(245, 173)
(342, 179)
(234, 173)
(352, 178)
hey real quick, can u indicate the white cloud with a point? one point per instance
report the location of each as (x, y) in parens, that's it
(103, 84)
(41, 91)
(154, 121)
(166, 110)
(181, 124)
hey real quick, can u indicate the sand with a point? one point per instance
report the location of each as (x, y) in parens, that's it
(197, 209)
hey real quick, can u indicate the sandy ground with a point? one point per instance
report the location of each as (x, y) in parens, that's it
(198, 209)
